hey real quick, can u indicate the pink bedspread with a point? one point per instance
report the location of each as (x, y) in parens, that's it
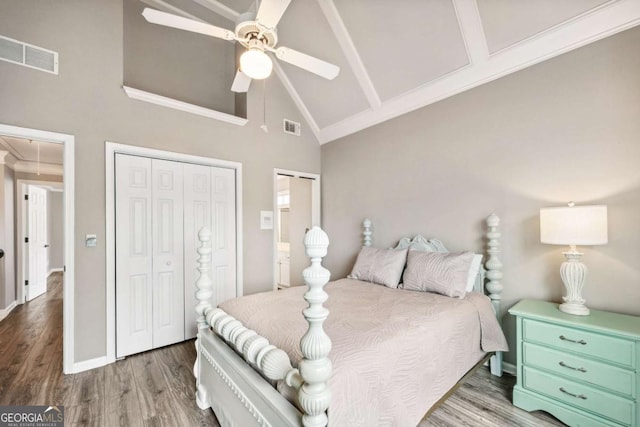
(395, 352)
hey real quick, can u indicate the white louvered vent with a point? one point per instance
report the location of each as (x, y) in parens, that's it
(291, 127)
(28, 55)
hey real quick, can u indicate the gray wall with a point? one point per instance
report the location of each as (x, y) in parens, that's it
(55, 229)
(566, 129)
(7, 239)
(86, 100)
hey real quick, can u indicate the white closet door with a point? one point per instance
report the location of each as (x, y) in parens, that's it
(37, 233)
(134, 280)
(197, 214)
(210, 194)
(168, 270)
(223, 241)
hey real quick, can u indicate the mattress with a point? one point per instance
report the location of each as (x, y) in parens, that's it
(394, 352)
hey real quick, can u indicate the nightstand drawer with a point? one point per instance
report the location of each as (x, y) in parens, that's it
(579, 395)
(616, 350)
(581, 369)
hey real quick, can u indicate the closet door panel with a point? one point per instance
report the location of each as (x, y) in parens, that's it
(223, 242)
(168, 269)
(134, 278)
(197, 214)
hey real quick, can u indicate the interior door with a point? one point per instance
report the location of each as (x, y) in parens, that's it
(300, 220)
(197, 214)
(168, 250)
(37, 245)
(134, 254)
(223, 240)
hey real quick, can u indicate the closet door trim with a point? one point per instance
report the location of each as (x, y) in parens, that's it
(111, 149)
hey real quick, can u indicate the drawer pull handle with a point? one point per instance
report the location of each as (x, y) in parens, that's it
(563, 338)
(564, 365)
(579, 396)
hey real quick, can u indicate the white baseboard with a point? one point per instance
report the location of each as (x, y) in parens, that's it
(509, 368)
(86, 365)
(55, 270)
(5, 311)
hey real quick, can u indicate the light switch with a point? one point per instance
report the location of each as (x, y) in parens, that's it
(266, 220)
(90, 240)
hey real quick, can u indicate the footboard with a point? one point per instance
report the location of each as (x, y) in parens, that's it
(229, 356)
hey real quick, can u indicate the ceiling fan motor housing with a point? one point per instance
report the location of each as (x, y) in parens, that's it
(248, 28)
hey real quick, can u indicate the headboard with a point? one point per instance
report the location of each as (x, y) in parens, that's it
(491, 270)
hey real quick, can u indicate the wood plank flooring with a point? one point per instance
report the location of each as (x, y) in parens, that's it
(156, 388)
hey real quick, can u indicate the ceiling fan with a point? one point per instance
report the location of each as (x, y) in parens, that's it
(257, 33)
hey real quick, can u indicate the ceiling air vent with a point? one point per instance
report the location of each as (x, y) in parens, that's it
(291, 127)
(28, 55)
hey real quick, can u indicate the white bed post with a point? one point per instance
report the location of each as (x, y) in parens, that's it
(203, 295)
(314, 395)
(366, 224)
(494, 276)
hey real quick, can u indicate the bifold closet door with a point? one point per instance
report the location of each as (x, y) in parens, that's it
(209, 200)
(134, 255)
(149, 254)
(168, 246)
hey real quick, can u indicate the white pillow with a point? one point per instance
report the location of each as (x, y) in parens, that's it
(381, 266)
(474, 269)
(441, 273)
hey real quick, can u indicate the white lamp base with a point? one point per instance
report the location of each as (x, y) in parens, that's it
(573, 274)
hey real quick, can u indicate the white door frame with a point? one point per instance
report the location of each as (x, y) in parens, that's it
(111, 148)
(315, 209)
(22, 219)
(68, 312)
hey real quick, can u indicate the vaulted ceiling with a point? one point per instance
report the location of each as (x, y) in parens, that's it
(397, 56)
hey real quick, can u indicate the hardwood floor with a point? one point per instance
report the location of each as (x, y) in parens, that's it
(156, 388)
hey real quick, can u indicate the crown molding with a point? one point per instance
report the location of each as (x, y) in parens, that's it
(8, 159)
(44, 168)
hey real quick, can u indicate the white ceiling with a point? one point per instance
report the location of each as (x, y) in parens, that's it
(397, 56)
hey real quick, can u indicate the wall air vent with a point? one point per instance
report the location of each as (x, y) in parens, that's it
(28, 55)
(291, 127)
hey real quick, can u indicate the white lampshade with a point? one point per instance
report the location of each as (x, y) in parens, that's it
(574, 225)
(256, 64)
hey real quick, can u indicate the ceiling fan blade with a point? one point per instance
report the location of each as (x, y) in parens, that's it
(307, 62)
(271, 11)
(241, 83)
(174, 21)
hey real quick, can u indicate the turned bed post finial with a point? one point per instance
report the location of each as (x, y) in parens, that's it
(494, 276)
(203, 295)
(366, 224)
(315, 368)
(203, 284)
(493, 264)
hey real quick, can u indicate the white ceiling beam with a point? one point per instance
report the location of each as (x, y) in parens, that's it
(166, 7)
(605, 21)
(296, 99)
(472, 31)
(350, 52)
(219, 8)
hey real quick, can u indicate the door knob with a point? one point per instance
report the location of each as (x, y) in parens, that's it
(1, 253)
(168, 262)
(46, 246)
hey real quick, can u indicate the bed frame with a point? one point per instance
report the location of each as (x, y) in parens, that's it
(236, 368)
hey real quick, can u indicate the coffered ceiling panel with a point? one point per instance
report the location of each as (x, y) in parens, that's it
(398, 56)
(507, 22)
(404, 44)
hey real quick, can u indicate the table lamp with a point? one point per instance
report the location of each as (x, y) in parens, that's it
(574, 225)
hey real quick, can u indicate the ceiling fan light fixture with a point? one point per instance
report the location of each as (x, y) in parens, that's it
(256, 64)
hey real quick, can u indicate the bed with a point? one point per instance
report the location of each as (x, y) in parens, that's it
(392, 356)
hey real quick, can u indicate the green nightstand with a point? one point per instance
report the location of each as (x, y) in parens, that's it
(584, 370)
